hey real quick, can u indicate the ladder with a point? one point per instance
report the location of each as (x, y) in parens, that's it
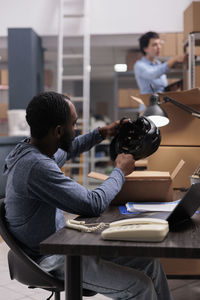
(78, 12)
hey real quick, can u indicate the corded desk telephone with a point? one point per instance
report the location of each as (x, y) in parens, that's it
(137, 229)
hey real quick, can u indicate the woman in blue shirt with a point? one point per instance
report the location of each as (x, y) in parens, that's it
(150, 73)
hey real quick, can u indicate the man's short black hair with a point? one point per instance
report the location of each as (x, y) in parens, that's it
(145, 38)
(46, 111)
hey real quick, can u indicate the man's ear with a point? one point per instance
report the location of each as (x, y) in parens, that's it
(58, 131)
(144, 49)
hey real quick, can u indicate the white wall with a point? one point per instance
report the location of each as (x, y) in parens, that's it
(137, 16)
(107, 16)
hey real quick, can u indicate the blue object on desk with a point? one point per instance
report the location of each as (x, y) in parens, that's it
(124, 211)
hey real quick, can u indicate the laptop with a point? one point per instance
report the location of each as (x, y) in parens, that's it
(186, 207)
(183, 210)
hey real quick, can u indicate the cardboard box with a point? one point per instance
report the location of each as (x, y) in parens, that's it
(179, 43)
(165, 158)
(3, 111)
(188, 97)
(142, 186)
(197, 77)
(4, 77)
(183, 128)
(131, 57)
(48, 78)
(180, 266)
(125, 100)
(169, 44)
(191, 18)
(172, 44)
(101, 108)
(196, 50)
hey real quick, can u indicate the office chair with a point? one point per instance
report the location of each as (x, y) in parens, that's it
(24, 269)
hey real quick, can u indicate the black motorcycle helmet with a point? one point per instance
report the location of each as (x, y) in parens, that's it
(140, 138)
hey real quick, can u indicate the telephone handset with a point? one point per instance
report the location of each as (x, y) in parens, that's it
(137, 229)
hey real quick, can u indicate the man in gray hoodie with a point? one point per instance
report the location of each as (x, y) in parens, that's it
(37, 192)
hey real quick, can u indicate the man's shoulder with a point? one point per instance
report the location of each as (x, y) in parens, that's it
(34, 158)
(140, 63)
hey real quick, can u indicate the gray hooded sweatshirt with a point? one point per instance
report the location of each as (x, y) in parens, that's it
(37, 192)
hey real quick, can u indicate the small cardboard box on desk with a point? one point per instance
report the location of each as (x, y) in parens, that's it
(142, 186)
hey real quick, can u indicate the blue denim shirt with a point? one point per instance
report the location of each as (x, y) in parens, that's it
(147, 72)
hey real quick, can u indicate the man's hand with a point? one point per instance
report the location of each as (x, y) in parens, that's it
(111, 129)
(125, 162)
(178, 58)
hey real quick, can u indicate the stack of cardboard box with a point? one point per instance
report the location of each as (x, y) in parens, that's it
(172, 44)
(192, 25)
(180, 138)
(191, 18)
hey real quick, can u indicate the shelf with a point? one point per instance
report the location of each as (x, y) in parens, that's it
(101, 159)
(196, 37)
(192, 41)
(124, 74)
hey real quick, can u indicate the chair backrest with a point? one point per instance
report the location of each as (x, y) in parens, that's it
(21, 266)
(7, 143)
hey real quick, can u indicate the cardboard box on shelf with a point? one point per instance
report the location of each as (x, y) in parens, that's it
(141, 186)
(183, 128)
(191, 18)
(125, 100)
(101, 108)
(172, 44)
(4, 77)
(165, 158)
(48, 78)
(197, 77)
(196, 50)
(131, 57)
(179, 43)
(3, 111)
(169, 44)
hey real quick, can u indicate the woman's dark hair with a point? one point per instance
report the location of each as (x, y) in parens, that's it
(46, 111)
(145, 38)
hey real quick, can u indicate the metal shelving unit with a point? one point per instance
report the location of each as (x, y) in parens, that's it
(94, 159)
(192, 41)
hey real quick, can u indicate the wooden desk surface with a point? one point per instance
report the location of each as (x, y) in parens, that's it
(181, 244)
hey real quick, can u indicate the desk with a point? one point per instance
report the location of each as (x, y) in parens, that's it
(74, 244)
